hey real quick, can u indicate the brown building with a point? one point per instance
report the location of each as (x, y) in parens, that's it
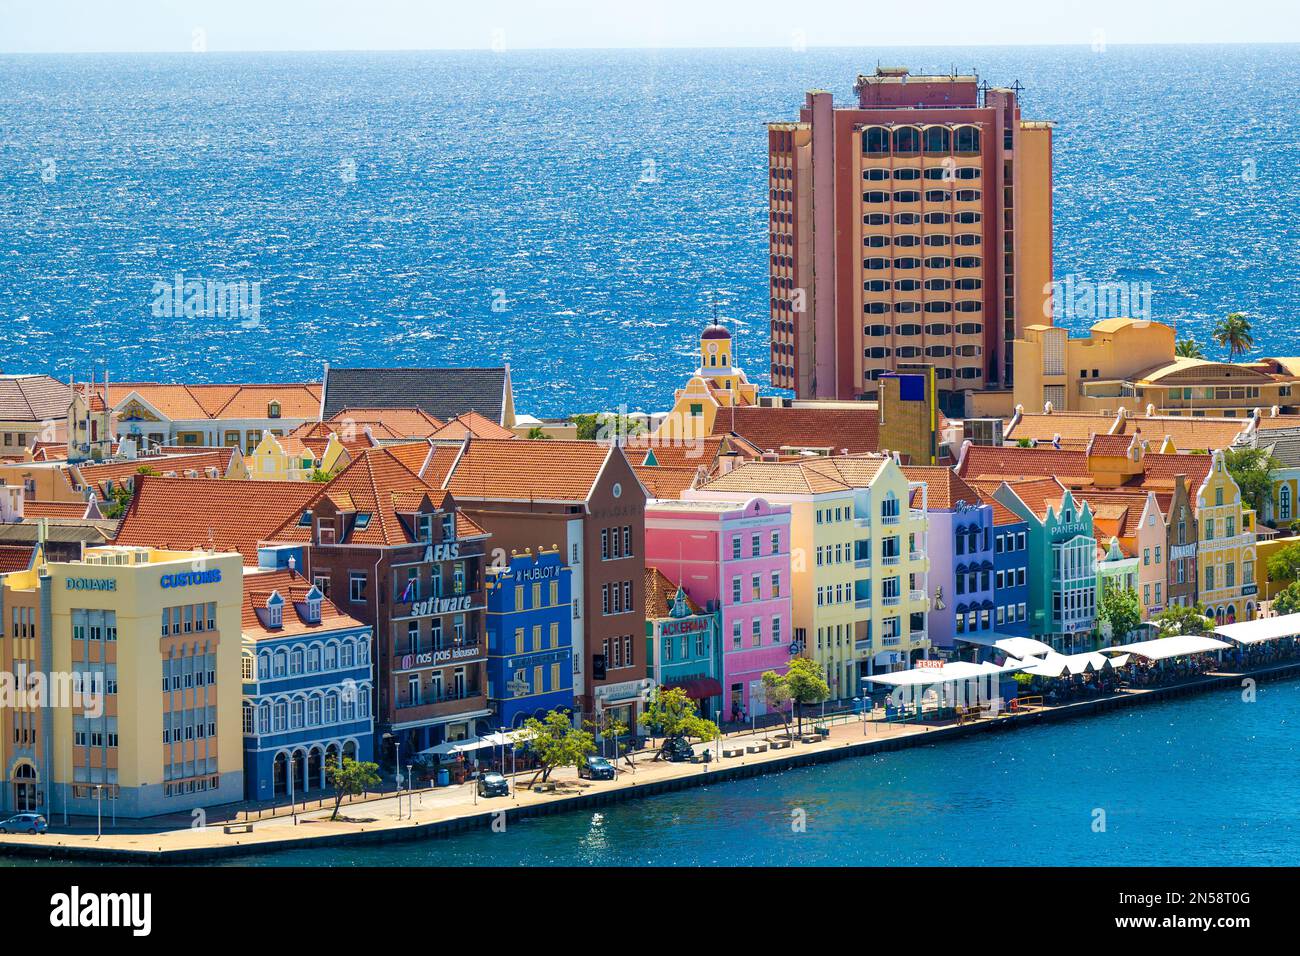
(913, 226)
(585, 498)
(1180, 546)
(394, 552)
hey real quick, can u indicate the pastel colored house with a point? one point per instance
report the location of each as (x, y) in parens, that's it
(1226, 554)
(1010, 571)
(530, 637)
(1062, 561)
(732, 557)
(1115, 569)
(281, 458)
(681, 643)
(308, 678)
(961, 558)
(859, 566)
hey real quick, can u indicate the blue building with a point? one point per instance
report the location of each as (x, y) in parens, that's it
(682, 647)
(530, 637)
(307, 679)
(1010, 572)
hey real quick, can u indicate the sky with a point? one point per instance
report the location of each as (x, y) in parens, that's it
(75, 26)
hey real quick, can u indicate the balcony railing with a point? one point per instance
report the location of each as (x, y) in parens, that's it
(894, 641)
(891, 559)
(863, 645)
(891, 600)
(890, 519)
(916, 595)
(918, 636)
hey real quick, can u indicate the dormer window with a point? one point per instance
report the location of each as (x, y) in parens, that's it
(311, 606)
(363, 520)
(305, 520)
(273, 410)
(274, 610)
(448, 527)
(424, 527)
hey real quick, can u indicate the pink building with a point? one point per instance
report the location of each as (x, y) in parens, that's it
(732, 558)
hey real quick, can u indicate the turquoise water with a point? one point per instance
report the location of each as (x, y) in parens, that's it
(1206, 780)
(571, 212)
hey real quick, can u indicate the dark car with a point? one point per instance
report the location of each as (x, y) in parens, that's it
(677, 750)
(493, 785)
(596, 768)
(24, 823)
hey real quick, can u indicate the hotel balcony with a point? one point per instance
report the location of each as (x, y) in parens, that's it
(891, 559)
(894, 641)
(893, 600)
(884, 519)
(429, 707)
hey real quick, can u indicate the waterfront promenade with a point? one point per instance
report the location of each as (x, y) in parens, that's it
(436, 812)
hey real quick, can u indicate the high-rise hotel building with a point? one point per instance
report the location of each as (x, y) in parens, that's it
(914, 227)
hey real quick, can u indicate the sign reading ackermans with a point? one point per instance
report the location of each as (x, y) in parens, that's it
(186, 578)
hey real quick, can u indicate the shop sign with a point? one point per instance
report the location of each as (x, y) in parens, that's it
(186, 578)
(91, 584)
(449, 605)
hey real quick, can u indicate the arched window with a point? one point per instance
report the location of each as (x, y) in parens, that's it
(264, 718)
(263, 666)
(295, 661)
(1284, 503)
(247, 712)
(937, 139)
(875, 141)
(967, 139)
(907, 139)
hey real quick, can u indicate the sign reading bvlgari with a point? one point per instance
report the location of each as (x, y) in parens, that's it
(448, 605)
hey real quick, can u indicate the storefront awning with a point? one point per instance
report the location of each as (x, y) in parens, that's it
(698, 688)
(1054, 665)
(1178, 645)
(951, 671)
(1264, 629)
(1011, 646)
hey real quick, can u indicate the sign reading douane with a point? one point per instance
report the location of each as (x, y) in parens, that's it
(90, 584)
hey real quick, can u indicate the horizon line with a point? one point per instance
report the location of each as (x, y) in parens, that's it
(613, 49)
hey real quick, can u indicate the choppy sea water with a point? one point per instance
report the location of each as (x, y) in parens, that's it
(1206, 780)
(573, 213)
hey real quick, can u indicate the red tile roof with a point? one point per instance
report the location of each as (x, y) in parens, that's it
(515, 470)
(293, 587)
(15, 557)
(943, 487)
(772, 429)
(189, 513)
(660, 593)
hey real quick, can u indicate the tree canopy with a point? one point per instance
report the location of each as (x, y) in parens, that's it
(349, 778)
(1120, 608)
(1288, 600)
(1233, 333)
(1178, 619)
(1284, 564)
(670, 713)
(1189, 348)
(555, 742)
(1252, 469)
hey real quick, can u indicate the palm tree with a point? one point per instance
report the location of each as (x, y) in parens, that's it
(1234, 334)
(1189, 348)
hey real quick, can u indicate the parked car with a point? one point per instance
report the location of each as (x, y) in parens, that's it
(493, 785)
(24, 823)
(677, 750)
(596, 768)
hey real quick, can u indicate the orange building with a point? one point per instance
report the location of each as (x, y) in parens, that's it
(914, 226)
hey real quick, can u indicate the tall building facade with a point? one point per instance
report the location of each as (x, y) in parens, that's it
(913, 226)
(129, 664)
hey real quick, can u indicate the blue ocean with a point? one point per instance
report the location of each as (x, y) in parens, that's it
(576, 214)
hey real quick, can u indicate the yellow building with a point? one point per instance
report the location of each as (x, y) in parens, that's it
(1131, 363)
(1226, 561)
(135, 654)
(858, 567)
(286, 458)
(716, 384)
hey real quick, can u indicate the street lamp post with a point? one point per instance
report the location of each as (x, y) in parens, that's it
(293, 798)
(410, 797)
(99, 811)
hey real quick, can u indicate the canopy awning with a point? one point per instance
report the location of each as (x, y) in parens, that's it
(1177, 645)
(1263, 629)
(467, 745)
(698, 688)
(951, 671)
(1054, 665)
(1013, 646)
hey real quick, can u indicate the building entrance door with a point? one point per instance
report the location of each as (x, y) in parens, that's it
(25, 795)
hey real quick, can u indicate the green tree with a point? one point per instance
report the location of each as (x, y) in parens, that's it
(776, 692)
(1189, 348)
(1024, 443)
(605, 426)
(670, 713)
(555, 742)
(349, 778)
(1288, 599)
(608, 727)
(1284, 564)
(318, 475)
(120, 499)
(807, 685)
(1233, 333)
(537, 433)
(1179, 619)
(1252, 469)
(1120, 608)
